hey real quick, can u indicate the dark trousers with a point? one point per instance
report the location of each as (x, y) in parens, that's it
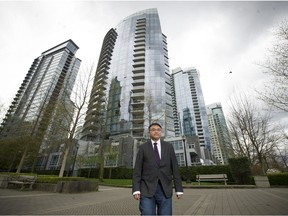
(148, 205)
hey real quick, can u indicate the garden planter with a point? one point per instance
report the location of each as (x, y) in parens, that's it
(262, 181)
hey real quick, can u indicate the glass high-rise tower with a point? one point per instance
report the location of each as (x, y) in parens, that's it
(49, 81)
(132, 85)
(219, 134)
(190, 111)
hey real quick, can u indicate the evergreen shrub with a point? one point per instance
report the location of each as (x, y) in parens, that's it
(278, 179)
(116, 173)
(240, 170)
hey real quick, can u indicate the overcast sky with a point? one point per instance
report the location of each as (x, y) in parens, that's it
(214, 37)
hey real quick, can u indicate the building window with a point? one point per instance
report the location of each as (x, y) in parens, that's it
(191, 145)
(54, 160)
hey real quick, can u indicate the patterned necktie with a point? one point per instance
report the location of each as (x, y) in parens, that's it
(156, 153)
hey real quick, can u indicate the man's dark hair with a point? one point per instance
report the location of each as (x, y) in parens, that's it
(154, 123)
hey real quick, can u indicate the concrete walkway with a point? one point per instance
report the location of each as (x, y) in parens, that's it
(118, 201)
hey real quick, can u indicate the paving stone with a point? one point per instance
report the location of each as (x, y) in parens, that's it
(119, 201)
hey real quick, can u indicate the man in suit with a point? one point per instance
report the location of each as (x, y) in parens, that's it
(155, 170)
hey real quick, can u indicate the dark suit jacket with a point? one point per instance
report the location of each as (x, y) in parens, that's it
(146, 171)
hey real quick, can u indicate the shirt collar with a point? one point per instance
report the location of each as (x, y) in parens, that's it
(158, 142)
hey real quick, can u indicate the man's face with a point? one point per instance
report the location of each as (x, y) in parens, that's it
(155, 132)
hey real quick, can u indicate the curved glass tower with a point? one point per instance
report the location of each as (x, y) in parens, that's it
(132, 86)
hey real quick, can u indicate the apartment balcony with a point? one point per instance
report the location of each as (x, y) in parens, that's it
(139, 64)
(138, 110)
(137, 103)
(140, 36)
(139, 58)
(139, 44)
(100, 83)
(140, 31)
(141, 20)
(141, 27)
(138, 89)
(141, 23)
(101, 75)
(103, 69)
(139, 95)
(138, 135)
(139, 70)
(137, 128)
(12, 106)
(138, 76)
(139, 49)
(138, 82)
(139, 39)
(138, 120)
(140, 53)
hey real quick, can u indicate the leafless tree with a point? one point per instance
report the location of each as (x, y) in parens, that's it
(112, 157)
(152, 113)
(276, 66)
(81, 95)
(282, 149)
(252, 132)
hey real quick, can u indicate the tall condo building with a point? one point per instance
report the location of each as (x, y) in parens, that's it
(219, 134)
(132, 85)
(190, 111)
(48, 83)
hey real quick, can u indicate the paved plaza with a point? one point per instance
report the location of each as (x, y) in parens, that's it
(119, 201)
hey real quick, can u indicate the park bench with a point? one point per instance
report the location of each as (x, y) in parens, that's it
(211, 177)
(23, 180)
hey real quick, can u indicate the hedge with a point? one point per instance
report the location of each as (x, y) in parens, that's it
(278, 179)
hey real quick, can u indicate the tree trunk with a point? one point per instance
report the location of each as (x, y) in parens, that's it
(22, 159)
(101, 165)
(63, 165)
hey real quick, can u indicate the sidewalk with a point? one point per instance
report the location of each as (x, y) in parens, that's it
(119, 201)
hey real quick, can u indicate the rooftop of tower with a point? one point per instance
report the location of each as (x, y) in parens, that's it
(143, 12)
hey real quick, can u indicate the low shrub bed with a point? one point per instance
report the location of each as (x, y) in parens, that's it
(278, 179)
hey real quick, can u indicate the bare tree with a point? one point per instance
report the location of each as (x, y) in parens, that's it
(112, 157)
(276, 66)
(282, 150)
(251, 132)
(81, 95)
(152, 113)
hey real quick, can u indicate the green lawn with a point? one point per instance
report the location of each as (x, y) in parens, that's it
(117, 182)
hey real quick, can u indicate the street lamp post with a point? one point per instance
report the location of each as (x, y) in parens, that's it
(75, 156)
(188, 181)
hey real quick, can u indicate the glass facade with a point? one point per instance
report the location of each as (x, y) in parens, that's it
(136, 84)
(222, 146)
(190, 111)
(50, 79)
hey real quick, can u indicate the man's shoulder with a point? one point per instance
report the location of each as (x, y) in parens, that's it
(145, 144)
(166, 143)
(163, 141)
